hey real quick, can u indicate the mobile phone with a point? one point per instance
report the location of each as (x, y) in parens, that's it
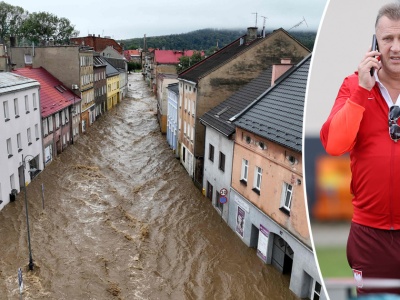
(373, 48)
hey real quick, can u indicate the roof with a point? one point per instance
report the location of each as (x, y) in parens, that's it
(54, 96)
(98, 62)
(97, 42)
(277, 115)
(110, 70)
(225, 54)
(133, 52)
(10, 82)
(174, 87)
(170, 56)
(218, 117)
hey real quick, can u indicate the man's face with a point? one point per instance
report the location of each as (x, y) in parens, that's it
(388, 36)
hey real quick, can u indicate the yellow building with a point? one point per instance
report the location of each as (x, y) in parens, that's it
(112, 91)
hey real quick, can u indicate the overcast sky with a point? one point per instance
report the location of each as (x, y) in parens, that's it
(131, 19)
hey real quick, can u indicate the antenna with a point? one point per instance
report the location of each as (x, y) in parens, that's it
(263, 32)
(256, 17)
(298, 24)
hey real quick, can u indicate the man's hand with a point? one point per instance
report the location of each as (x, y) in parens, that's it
(365, 79)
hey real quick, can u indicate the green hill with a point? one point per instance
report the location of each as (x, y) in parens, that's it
(205, 39)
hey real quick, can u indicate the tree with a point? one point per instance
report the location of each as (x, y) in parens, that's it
(43, 27)
(187, 61)
(11, 18)
(133, 66)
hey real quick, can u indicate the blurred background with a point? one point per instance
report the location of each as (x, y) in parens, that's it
(344, 37)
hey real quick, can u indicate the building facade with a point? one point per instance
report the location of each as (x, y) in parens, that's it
(78, 70)
(172, 116)
(21, 154)
(215, 78)
(163, 81)
(268, 210)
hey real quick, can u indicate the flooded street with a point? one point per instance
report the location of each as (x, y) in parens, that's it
(123, 220)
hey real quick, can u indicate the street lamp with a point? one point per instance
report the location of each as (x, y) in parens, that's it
(31, 264)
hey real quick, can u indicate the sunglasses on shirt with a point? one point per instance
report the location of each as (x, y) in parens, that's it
(394, 129)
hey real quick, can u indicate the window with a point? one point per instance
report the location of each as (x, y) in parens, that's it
(6, 113)
(316, 293)
(184, 154)
(37, 132)
(28, 59)
(12, 181)
(211, 152)
(26, 105)
(245, 171)
(217, 203)
(50, 121)
(9, 148)
(28, 134)
(19, 142)
(63, 117)
(221, 164)
(34, 101)
(57, 115)
(286, 199)
(45, 129)
(257, 180)
(210, 190)
(16, 109)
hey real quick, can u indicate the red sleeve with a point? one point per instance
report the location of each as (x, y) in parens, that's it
(339, 132)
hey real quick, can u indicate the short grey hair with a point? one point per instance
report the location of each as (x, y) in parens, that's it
(390, 10)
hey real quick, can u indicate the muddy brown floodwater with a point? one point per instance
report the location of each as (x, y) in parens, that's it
(123, 220)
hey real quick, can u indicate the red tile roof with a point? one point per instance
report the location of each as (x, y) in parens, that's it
(133, 52)
(98, 43)
(54, 96)
(171, 56)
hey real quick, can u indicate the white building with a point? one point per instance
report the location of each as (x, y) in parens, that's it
(172, 116)
(20, 134)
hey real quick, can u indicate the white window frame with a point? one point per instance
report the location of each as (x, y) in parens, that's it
(245, 170)
(45, 128)
(6, 111)
(37, 131)
(19, 142)
(34, 101)
(26, 104)
(16, 108)
(316, 294)
(287, 191)
(12, 181)
(9, 148)
(57, 117)
(257, 178)
(29, 136)
(50, 119)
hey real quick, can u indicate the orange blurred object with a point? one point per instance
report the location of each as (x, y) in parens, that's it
(333, 197)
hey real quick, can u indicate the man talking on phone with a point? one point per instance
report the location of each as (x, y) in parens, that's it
(364, 122)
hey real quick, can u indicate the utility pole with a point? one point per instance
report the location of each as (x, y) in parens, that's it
(256, 17)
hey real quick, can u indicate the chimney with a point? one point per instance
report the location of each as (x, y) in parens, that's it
(279, 69)
(251, 34)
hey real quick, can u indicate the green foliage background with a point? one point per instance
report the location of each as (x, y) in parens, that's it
(206, 40)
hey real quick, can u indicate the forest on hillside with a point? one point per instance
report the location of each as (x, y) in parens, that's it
(205, 39)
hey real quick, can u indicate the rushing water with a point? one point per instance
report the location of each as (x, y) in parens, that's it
(123, 220)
